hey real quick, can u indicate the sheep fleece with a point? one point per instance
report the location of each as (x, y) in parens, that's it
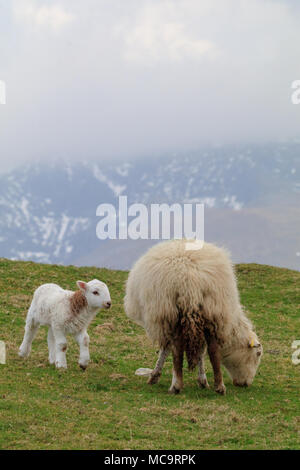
(171, 290)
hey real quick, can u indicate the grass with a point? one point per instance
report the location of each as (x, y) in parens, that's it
(108, 407)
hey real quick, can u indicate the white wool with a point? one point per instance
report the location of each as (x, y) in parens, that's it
(64, 312)
(201, 284)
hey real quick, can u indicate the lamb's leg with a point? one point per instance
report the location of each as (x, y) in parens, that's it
(202, 379)
(51, 346)
(60, 348)
(31, 328)
(156, 373)
(83, 340)
(177, 380)
(214, 353)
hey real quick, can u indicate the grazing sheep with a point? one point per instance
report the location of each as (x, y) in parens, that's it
(64, 312)
(187, 300)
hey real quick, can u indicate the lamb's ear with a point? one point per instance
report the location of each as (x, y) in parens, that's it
(81, 285)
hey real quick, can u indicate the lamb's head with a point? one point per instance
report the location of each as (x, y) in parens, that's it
(96, 293)
(242, 362)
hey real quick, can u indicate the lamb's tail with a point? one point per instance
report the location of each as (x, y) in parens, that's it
(191, 328)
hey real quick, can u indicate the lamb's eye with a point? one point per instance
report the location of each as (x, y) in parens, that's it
(96, 292)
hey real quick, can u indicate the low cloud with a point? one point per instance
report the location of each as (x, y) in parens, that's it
(99, 79)
(52, 17)
(151, 42)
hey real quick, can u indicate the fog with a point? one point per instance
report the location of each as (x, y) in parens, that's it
(99, 79)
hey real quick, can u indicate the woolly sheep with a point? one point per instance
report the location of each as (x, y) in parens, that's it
(187, 301)
(64, 312)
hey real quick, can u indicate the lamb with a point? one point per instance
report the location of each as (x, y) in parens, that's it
(64, 312)
(188, 301)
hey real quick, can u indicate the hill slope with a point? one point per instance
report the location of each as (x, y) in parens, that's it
(108, 407)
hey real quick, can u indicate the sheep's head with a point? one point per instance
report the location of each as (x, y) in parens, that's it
(96, 293)
(242, 363)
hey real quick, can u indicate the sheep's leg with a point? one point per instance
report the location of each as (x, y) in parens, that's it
(51, 346)
(156, 373)
(60, 348)
(31, 328)
(215, 358)
(202, 379)
(83, 340)
(177, 380)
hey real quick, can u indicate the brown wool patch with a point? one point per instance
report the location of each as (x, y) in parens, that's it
(192, 330)
(77, 302)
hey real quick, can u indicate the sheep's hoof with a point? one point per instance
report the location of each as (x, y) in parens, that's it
(203, 383)
(82, 367)
(221, 389)
(174, 390)
(61, 366)
(240, 384)
(23, 354)
(153, 379)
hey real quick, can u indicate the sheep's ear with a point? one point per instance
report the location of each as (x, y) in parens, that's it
(253, 344)
(81, 285)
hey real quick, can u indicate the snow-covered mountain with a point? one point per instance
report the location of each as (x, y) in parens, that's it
(48, 211)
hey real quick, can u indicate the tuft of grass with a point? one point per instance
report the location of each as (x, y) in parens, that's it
(108, 407)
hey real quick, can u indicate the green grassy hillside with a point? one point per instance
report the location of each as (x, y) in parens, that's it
(108, 407)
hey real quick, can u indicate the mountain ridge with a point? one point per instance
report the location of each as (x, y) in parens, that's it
(48, 210)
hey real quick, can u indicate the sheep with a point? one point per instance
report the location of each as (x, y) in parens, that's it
(64, 312)
(188, 301)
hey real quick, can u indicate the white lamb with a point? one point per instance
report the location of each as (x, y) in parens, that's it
(64, 312)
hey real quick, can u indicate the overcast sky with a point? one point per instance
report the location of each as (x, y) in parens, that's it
(118, 79)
